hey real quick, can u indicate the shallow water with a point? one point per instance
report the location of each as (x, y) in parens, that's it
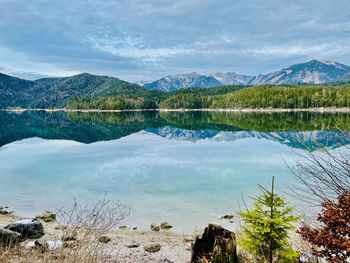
(185, 168)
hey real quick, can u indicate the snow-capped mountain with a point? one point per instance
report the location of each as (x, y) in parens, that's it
(313, 72)
(171, 83)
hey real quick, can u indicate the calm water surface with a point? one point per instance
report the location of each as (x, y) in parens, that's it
(185, 168)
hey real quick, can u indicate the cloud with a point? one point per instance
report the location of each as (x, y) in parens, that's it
(136, 39)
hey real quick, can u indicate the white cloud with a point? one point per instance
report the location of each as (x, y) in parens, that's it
(133, 48)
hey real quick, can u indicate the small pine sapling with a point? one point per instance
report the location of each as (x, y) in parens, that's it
(265, 233)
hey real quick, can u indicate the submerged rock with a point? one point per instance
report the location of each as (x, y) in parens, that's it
(8, 237)
(215, 239)
(104, 239)
(155, 227)
(28, 228)
(165, 226)
(152, 248)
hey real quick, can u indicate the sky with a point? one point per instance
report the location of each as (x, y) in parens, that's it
(144, 40)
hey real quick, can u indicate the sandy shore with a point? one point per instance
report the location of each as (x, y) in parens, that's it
(174, 247)
(266, 110)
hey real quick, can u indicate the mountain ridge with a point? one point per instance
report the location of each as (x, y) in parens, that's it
(310, 72)
(56, 92)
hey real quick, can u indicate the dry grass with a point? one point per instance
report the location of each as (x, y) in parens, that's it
(84, 225)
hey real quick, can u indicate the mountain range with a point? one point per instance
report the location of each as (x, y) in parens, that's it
(311, 72)
(56, 92)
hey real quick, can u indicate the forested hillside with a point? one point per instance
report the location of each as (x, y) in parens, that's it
(146, 100)
(227, 97)
(56, 92)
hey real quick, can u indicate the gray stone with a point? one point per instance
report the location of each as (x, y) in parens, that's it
(165, 226)
(28, 228)
(104, 239)
(48, 216)
(227, 217)
(155, 227)
(133, 244)
(188, 239)
(8, 237)
(60, 227)
(152, 248)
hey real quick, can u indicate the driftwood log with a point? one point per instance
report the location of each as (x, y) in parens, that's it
(216, 244)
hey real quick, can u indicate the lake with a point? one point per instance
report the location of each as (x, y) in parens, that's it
(182, 167)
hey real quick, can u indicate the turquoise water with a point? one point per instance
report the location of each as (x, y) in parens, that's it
(161, 169)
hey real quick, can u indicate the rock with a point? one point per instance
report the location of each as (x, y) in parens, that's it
(1, 207)
(60, 227)
(134, 228)
(28, 228)
(152, 248)
(4, 212)
(231, 221)
(56, 244)
(188, 238)
(155, 227)
(227, 217)
(8, 237)
(123, 227)
(133, 244)
(104, 239)
(165, 226)
(48, 216)
(215, 238)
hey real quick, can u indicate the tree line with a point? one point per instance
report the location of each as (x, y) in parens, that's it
(226, 97)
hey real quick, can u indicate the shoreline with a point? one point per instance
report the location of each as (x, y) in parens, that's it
(175, 247)
(238, 110)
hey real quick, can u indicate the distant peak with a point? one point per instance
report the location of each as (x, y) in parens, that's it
(328, 62)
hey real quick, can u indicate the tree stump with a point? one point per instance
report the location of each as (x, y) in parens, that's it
(217, 244)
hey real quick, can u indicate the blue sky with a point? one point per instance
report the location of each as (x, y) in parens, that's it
(144, 40)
